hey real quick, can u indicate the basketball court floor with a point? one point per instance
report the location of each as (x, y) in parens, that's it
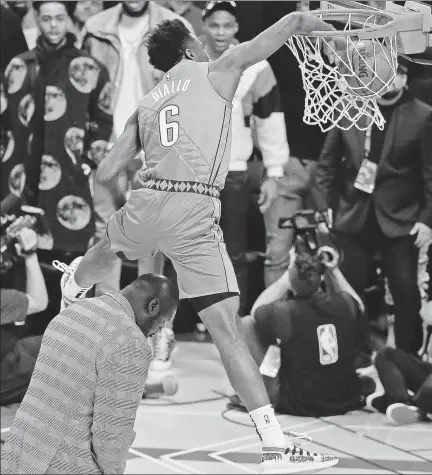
(192, 433)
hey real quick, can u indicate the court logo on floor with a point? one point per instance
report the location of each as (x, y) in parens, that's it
(328, 344)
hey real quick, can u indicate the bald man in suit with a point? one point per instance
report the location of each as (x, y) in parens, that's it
(79, 410)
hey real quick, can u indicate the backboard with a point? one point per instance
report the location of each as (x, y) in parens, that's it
(413, 20)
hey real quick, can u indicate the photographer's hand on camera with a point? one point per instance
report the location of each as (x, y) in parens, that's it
(329, 257)
(27, 242)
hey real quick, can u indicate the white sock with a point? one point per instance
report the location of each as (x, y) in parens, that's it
(268, 427)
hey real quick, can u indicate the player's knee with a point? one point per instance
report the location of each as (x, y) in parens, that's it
(222, 320)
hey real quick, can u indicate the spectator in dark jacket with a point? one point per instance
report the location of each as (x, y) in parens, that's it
(60, 118)
(384, 203)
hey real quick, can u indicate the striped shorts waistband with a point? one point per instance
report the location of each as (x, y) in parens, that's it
(182, 187)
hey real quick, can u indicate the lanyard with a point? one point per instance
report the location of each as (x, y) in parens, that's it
(367, 144)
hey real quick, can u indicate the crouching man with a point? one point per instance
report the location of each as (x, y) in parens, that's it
(79, 410)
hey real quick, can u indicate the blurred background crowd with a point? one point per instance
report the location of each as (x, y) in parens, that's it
(72, 74)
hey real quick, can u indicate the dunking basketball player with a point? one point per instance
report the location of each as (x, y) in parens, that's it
(184, 127)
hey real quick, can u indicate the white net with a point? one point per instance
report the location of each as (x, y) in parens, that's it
(342, 83)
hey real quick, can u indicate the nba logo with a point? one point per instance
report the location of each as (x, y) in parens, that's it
(328, 344)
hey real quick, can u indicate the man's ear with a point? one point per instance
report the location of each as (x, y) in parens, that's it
(189, 54)
(154, 307)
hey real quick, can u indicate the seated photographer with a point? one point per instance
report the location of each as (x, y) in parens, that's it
(18, 354)
(310, 314)
(406, 380)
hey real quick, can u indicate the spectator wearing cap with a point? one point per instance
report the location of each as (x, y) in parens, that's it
(116, 37)
(383, 181)
(256, 116)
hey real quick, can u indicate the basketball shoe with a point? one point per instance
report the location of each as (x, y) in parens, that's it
(294, 459)
(163, 347)
(70, 293)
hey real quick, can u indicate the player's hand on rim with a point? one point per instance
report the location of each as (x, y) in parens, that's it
(332, 47)
(308, 23)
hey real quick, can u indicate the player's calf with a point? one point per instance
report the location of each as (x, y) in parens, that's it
(96, 265)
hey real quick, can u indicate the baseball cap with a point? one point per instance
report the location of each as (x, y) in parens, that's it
(212, 7)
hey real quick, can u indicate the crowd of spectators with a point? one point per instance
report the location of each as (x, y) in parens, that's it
(71, 75)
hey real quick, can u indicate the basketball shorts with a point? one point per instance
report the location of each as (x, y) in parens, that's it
(184, 227)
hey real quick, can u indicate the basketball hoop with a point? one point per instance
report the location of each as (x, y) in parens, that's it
(341, 90)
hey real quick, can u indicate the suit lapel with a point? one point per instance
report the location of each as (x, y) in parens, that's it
(356, 138)
(390, 135)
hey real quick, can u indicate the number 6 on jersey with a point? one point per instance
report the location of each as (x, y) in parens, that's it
(168, 131)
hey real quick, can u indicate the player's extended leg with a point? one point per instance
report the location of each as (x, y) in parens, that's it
(84, 272)
(122, 238)
(278, 455)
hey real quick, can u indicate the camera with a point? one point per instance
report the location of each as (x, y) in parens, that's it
(305, 224)
(10, 227)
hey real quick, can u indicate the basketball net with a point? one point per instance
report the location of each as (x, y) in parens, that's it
(335, 95)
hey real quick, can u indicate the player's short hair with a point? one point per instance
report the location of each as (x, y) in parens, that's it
(167, 43)
(306, 274)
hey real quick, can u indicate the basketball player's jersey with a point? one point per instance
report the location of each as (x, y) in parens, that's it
(185, 127)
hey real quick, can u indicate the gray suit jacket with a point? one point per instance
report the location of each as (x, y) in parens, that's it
(78, 413)
(403, 191)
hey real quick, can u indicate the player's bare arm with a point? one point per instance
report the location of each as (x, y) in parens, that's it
(124, 150)
(225, 72)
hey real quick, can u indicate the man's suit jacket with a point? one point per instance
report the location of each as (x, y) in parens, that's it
(78, 413)
(403, 189)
